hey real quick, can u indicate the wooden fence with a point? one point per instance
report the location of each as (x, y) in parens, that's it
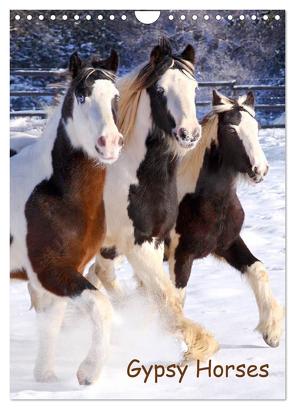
(232, 86)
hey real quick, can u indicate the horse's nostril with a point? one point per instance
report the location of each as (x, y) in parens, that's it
(183, 133)
(121, 141)
(101, 141)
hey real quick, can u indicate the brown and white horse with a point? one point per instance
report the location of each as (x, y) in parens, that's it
(210, 215)
(57, 210)
(157, 115)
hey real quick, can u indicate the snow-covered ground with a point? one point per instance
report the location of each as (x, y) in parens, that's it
(217, 297)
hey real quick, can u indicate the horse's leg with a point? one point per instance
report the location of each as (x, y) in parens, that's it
(271, 314)
(50, 312)
(98, 307)
(70, 285)
(180, 265)
(103, 271)
(147, 262)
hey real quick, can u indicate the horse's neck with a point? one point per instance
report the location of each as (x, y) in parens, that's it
(201, 168)
(216, 178)
(74, 174)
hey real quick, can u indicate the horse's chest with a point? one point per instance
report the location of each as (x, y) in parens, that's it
(65, 230)
(205, 224)
(152, 203)
(92, 237)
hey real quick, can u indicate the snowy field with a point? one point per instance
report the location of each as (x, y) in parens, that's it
(218, 298)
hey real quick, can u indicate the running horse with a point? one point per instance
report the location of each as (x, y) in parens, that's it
(57, 210)
(210, 215)
(157, 115)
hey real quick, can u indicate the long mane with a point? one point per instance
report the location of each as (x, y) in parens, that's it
(192, 162)
(132, 85)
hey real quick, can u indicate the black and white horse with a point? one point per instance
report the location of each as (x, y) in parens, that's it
(57, 210)
(157, 116)
(210, 215)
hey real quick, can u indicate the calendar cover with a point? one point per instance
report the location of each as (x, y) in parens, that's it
(147, 231)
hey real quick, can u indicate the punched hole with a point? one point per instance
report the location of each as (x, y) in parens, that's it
(147, 16)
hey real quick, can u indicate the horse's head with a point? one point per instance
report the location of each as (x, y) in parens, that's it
(90, 107)
(172, 93)
(238, 135)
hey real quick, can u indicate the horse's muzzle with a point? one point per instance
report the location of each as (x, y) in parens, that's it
(256, 174)
(109, 147)
(186, 139)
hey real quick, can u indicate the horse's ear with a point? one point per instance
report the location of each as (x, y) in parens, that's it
(250, 99)
(112, 63)
(189, 54)
(75, 64)
(217, 98)
(156, 55)
(160, 51)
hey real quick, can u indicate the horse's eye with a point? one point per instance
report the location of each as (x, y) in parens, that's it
(160, 90)
(117, 98)
(81, 99)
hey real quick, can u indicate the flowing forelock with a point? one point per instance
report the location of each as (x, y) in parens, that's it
(144, 76)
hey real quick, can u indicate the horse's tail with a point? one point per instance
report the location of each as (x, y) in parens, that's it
(19, 275)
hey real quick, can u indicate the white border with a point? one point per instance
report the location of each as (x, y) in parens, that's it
(4, 209)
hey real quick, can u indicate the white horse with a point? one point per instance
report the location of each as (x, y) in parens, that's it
(57, 211)
(157, 116)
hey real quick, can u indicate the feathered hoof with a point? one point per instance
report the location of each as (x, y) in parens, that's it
(200, 343)
(45, 376)
(271, 329)
(88, 373)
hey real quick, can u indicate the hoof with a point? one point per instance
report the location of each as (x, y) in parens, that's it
(272, 328)
(46, 377)
(87, 373)
(272, 342)
(84, 382)
(201, 345)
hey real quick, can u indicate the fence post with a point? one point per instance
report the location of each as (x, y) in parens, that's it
(234, 94)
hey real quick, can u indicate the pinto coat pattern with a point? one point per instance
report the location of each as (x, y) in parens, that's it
(140, 191)
(210, 215)
(57, 211)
